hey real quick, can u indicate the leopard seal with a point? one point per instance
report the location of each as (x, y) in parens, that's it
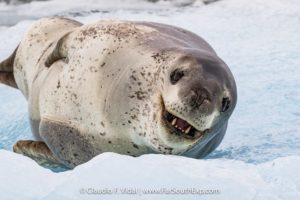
(128, 87)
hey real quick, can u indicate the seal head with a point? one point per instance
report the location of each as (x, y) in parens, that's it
(197, 99)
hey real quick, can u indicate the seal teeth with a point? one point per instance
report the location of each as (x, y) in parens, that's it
(174, 121)
(181, 125)
(187, 130)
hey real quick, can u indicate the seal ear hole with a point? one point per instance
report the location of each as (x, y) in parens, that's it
(176, 75)
(225, 104)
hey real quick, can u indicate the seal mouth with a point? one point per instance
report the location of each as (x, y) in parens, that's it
(179, 126)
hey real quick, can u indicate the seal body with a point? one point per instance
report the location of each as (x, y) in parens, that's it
(124, 87)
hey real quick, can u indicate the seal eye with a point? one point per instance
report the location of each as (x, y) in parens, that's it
(176, 75)
(225, 104)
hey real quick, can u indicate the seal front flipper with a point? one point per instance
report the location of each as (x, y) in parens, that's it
(59, 52)
(37, 150)
(71, 145)
(7, 71)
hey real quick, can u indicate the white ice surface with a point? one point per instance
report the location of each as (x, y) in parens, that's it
(260, 155)
(278, 179)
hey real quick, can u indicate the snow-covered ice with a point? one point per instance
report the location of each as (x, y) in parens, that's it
(278, 179)
(260, 155)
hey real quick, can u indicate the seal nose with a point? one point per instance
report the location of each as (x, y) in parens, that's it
(197, 97)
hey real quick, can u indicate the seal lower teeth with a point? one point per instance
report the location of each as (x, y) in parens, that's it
(174, 121)
(188, 130)
(180, 124)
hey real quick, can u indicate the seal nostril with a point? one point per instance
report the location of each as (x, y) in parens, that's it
(225, 104)
(197, 98)
(193, 98)
(176, 75)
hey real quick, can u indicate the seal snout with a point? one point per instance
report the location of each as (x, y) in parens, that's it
(197, 97)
